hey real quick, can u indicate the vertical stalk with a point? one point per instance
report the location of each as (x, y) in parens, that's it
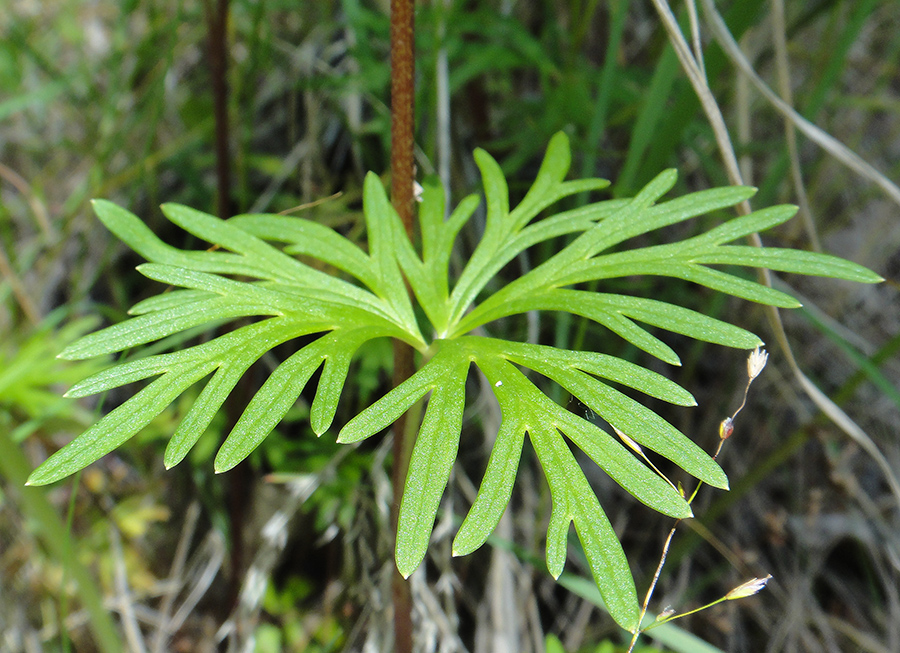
(402, 99)
(217, 23)
(216, 12)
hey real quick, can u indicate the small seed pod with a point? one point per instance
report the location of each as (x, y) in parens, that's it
(726, 428)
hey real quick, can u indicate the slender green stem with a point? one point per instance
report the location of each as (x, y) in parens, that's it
(755, 365)
(645, 606)
(683, 614)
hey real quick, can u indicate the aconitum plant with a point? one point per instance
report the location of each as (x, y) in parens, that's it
(253, 271)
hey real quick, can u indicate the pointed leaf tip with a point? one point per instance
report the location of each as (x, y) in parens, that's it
(38, 478)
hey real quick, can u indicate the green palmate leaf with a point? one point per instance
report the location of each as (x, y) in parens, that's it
(254, 258)
(118, 426)
(496, 487)
(391, 406)
(526, 410)
(298, 300)
(502, 226)
(575, 503)
(785, 260)
(428, 276)
(252, 274)
(430, 465)
(616, 312)
(604, 448)
(309, 238)
(639, 423)
(167, 300)
(285, 384)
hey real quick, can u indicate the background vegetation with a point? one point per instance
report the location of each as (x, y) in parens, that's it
(113, 100)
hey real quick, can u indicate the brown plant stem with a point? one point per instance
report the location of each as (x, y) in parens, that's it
(217, 24)
(400, 591)
(402, 98)
(216, 13)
